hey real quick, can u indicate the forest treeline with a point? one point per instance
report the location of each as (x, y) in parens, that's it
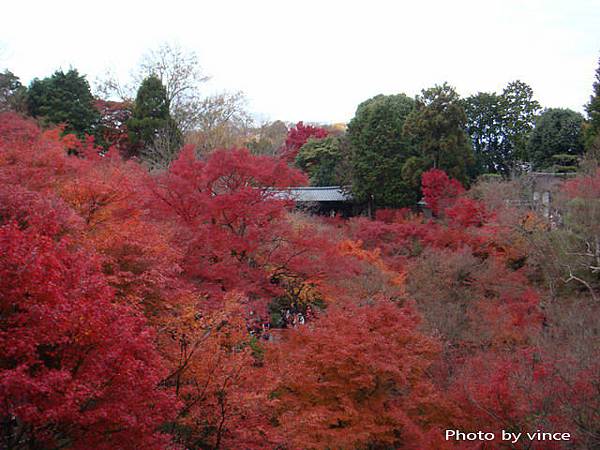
(380, 155)
(157, 292)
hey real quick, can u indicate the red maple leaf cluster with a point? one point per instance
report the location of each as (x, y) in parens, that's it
(297, 137)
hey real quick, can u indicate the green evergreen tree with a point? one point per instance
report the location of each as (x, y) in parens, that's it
(557, 132)
(325, 161)
(520, 111)
(437, 126)
(380, 149)
(486, 127)
(153, 134)
(499, 126)
(593, 111)
(64, 98)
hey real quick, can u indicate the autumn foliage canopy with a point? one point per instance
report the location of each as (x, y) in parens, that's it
(195, 308)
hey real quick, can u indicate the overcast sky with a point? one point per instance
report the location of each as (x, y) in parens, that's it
(317, 60)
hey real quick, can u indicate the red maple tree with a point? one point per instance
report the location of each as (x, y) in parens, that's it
(297, 137)
(68, 353)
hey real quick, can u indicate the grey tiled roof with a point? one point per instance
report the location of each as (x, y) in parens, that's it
(316, 194)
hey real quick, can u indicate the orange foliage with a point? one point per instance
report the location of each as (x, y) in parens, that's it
(356, 378)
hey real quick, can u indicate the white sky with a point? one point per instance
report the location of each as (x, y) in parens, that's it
(317, 60)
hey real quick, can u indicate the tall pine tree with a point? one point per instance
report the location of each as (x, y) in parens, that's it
(153, 133)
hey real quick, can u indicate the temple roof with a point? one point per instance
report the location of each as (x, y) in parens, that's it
(316, 194)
